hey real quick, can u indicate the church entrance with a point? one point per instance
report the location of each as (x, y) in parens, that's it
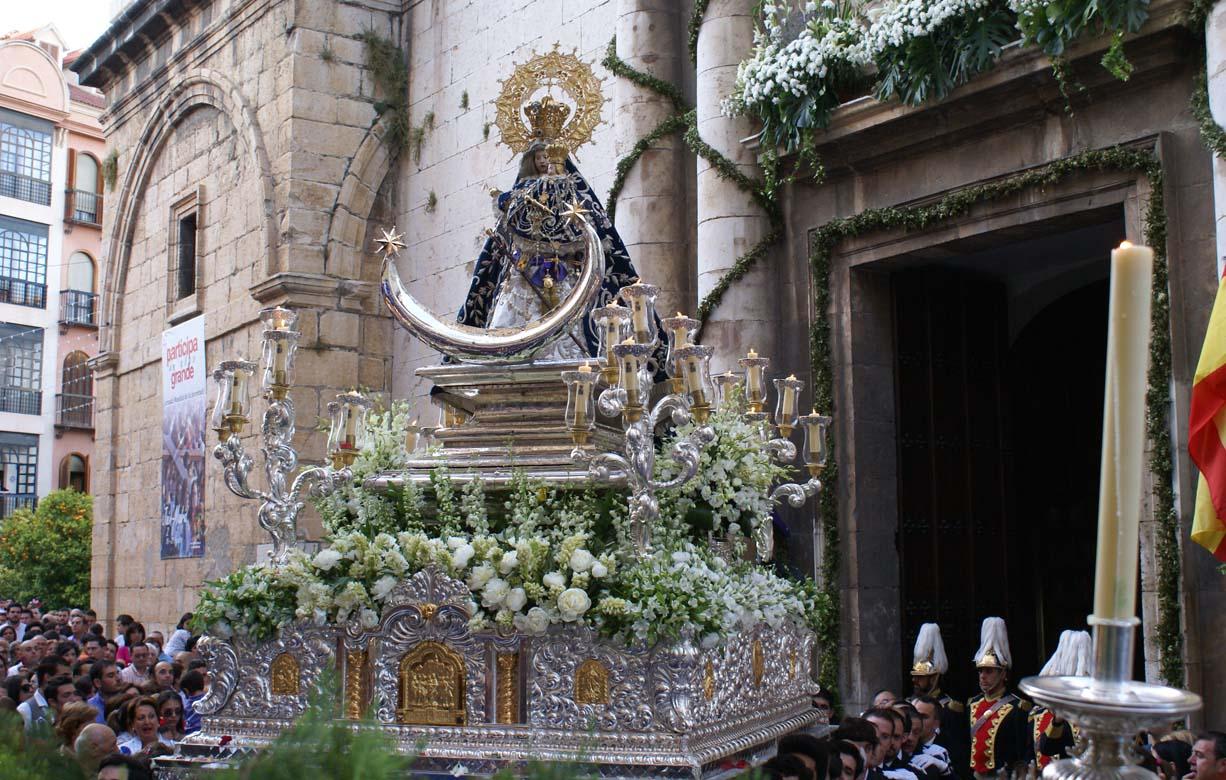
(999, 346)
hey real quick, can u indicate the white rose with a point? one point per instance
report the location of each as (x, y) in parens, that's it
(515, 600)
(480, 576)
(382, 587)
(326, 559)
(509, 561)
(581, 560)
(495, 592)
(462, 555)
(572, 603)
(456, 542)
(368, 618)
(599, 570)
(536, 621)
(554, 579)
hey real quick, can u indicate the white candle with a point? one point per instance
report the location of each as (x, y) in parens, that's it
(681, 334)
(411, 436)
(1119, 500)
(789, 399)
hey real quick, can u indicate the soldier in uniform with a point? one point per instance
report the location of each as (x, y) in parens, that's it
(1052, 736)
(999, 720)
(929, 662)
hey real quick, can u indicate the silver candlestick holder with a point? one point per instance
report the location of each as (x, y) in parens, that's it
(278, 514)
(1109, 707)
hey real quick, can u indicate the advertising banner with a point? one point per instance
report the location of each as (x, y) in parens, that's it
(184, 417)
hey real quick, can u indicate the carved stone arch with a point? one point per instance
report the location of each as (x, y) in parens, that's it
(345, 241)
(203, 87)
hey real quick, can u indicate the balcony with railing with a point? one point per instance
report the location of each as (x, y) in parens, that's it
(78, 307)
(21, 292)
(11, 502)
(83, 207)
(20, 400)
(74, 411)
(31, 190)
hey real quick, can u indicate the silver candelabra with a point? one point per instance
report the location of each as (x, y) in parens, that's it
(283, 499)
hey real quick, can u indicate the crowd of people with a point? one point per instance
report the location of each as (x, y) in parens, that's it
(112, 703)
(995, 734)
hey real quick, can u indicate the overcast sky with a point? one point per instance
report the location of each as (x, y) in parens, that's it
(80, 22)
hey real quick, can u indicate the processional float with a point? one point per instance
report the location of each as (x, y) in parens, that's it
(478, 701)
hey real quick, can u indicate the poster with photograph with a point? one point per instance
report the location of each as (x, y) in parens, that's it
(184, 417)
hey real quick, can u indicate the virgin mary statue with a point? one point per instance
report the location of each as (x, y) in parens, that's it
(534, 254)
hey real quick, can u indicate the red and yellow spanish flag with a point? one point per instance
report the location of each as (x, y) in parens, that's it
(1207, 433)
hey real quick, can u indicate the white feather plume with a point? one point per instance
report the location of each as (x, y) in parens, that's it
(994, 638)
(931, 648)
(1072, 656)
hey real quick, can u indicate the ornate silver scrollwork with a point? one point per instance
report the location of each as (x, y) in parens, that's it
(556, 660)
(223, 671)
(497, 345)
(678, 689)
(639, 461)
(312, 648)
(278, 514)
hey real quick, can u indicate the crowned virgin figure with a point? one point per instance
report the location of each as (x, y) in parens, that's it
(535, 253)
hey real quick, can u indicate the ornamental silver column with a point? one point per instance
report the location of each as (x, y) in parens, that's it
(653, 211)
(729, 222)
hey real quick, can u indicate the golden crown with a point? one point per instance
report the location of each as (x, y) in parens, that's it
(990, 660)
(546, 116)
(923, 668)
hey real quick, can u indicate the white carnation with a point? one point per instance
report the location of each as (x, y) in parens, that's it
(554, 579)
(480, 576)
(599, 570)
(536, 621)
(572, 603)
(368, 618)
(581, 560)
(382, 587)
(515, 600)
(462, 555)
(326, 559)
(509, 561)
(495, 592)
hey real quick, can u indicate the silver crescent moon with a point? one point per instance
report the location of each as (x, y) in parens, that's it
(496, 345)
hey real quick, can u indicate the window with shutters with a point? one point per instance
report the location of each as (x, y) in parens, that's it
(184, 293)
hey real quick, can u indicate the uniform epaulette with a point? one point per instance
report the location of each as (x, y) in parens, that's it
(955, 706)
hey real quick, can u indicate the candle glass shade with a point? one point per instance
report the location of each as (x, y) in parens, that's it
(335, 426)
(221, 406)
(816, 450)
(641, 298)
(680, 331)
(696, 362)
(412, 437)
(787, 392)
(612, 326)
(633, 379)
(278, 359)
(760, 422)
(353, 434)
(238, 372)
(278, 318)
(725, 388)
(580, 403)
(755, 381)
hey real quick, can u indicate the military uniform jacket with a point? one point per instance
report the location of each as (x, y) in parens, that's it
(999, 733)
(1051, 740)
(953, 734)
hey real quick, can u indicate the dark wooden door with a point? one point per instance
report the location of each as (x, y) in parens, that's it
(953, 461)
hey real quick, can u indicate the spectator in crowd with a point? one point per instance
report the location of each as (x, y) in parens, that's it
(28, 656)
(18, 687)
(928, 755)
(105, 677)
(123, 621)
(824, 704)
(8, 634)
(156, 643)
(117, 766)
(73, 717)
(884, 698)
(863, 735)
(1172, 758)
(115, 709)
(137, 672)
(34, 710)
(94, 647)
(191, 685)
(170, 715)
(809, 750)
(133, 635)
(788, 767)
(164, 676)
(889, 725)
(850, 758)
(178, 640)
(140, 727)
(112, 650)
(13, 619)
(94, 743)
(67, 649)
(1209, 757)
(79, 628)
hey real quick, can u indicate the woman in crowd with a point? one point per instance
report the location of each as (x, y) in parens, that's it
(178, 640)
(170, 715)
(1173, 757)
(72, 718)
(140, 727)
(18, 687)
(132, 636)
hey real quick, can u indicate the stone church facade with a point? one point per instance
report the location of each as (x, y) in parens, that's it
(263, 117)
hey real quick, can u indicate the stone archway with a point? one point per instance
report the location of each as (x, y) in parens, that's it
(205, 87)
(344, 242)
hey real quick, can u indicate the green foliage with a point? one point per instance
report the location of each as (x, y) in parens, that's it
(431, 202)
(929, 67)
(110, 169)
(696, 17)
(32, 758)
(464, 100)
(46, 553)
(386, 63)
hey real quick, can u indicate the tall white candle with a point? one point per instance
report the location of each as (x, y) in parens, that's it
(1119, 499)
